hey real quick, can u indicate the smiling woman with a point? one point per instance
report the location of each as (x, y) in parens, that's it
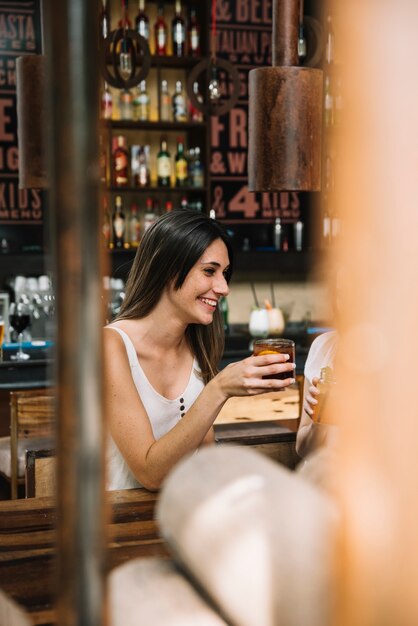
(163, 390)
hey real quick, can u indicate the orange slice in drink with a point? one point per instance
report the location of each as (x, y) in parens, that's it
(267, 352)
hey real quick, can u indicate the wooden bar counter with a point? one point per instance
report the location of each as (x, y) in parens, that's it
(28, 545)
(28, 549)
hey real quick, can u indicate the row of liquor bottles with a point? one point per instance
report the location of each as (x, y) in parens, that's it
(137, 105)
(123, 228)
(185, 169)
(181, 39)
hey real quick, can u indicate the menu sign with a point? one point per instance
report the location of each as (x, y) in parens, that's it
(21, 210)
(244, 38)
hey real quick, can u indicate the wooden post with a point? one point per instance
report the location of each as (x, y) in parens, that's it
(377, 259)
(73, 81)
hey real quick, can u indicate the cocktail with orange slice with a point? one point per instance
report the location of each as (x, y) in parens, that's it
(274, 346)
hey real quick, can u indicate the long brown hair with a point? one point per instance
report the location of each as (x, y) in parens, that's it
(168, 251)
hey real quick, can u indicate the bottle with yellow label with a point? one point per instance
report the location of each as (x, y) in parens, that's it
(163, 165)
(180, 164)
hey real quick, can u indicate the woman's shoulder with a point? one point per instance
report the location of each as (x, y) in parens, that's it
(321, 353)
(324, 341)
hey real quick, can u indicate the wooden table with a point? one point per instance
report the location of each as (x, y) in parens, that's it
(268, 422)
(28, 547)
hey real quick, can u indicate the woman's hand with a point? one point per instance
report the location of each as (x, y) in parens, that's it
(246, 377)
(310, 397)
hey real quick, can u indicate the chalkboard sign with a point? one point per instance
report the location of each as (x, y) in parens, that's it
(244, 37)
(21, 210)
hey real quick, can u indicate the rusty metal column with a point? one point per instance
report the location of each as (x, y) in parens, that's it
(72, 83)
(284, 113)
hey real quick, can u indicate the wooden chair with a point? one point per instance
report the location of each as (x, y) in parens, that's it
(40, 469)
(32, 419)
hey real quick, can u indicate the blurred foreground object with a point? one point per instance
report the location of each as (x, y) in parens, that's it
(256, 538)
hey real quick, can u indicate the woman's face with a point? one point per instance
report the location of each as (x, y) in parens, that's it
(199, 295)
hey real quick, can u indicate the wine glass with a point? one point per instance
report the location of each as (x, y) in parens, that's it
(19, 317)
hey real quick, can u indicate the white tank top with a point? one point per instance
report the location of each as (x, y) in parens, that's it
(321, 354)
(163, 414)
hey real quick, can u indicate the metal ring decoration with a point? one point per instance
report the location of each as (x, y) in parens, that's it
(141, 58)
(315, 43)
(208, 107)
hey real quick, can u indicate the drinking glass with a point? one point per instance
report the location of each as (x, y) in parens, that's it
(19, 317)
(270, 346)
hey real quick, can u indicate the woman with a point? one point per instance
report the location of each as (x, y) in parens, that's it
(163, 391)
(321, 354)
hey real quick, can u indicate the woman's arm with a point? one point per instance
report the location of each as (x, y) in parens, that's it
(149, 459)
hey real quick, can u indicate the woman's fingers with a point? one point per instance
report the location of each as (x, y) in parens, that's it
(310, 400)
(256, 386)
(267, 359)
(270, 365)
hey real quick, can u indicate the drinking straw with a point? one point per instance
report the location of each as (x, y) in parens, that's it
(273, 301)
(255, 296)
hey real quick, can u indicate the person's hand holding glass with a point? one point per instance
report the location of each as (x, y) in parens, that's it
(19, 317)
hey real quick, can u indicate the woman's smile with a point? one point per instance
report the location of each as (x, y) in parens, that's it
(211, 303)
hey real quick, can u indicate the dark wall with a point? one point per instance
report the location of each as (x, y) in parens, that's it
(243, 37)
(21, 210)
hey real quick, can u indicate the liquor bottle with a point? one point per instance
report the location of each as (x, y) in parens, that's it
(126, 104)
(104, 20)
(124, 47)
(223, 305)
(298, 235)
(198, 176)
(160, 32)
(178, 31)
(119, 224)
(107, 224)
(196, 205)
(142, 21)
(106, 103)
(149, 215)
(194, 114)
(141, 103)
(193, 35)
(184, 202)
(179, 104)
(163, 165)
(120, 162)
(277, 233)
(329, 42)
(134, 230)
(168, 206)
(140, 166)
(328, 104)
(180, 164)
(165, 103)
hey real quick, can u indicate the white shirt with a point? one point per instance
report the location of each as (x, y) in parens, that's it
(321, 354)
(163, 414)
